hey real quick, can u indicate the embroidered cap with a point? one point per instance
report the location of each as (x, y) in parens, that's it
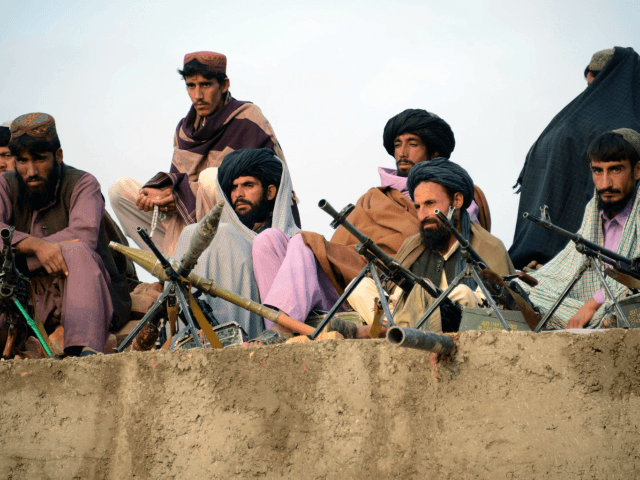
(600, 59)
(216, 62)
(631, 137)
(37, 125)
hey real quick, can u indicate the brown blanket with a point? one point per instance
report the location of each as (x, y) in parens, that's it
(383, 214)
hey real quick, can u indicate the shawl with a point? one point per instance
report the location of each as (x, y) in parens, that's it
(555, 172)
(383, 214)
(237, 125)
(556, 275)
(282, 216)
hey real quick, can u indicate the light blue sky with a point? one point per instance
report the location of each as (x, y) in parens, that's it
(328, 75)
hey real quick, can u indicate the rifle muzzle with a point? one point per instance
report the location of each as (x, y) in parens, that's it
(420, 339)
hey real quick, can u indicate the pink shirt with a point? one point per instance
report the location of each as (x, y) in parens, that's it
(612, 231)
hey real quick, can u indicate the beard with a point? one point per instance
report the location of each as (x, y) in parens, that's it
(611, 209)
(38, 200)
(402, 174)
(435, 239)
(258, 212)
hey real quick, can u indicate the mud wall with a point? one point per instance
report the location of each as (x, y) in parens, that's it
(509, 405)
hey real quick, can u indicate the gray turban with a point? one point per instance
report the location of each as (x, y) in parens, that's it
(444, 172)
(261, 163)
(434, 131)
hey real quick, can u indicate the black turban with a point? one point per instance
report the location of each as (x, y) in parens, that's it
(444, 172)
(261, 163)
(434, 132)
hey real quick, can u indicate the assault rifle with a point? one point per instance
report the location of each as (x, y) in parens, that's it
(378, 259)
(624, 270)
(14, 295)
(491, 283)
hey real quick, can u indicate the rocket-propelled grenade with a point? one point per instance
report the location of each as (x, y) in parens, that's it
(151, 264)
(205, 231)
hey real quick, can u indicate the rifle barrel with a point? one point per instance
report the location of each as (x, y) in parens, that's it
(579, 240)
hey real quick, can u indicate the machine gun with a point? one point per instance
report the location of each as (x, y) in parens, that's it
(491, 284)
(378, 259)
(14, 295)
(624, 270)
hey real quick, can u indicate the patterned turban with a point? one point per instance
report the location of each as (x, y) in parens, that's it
(216, 62)
(261, 163)
(35, 125)
(600, 59)
(444, 172)
(434, 131)
(631, 137)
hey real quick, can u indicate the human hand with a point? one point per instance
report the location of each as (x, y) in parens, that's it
(50, 257)
(148, 198)
(584, 315)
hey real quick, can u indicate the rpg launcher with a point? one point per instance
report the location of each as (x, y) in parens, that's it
(622, 269)
(451, 312)
(14, 296)
(153, 265)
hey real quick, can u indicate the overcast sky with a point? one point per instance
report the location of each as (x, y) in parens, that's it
(328, 75)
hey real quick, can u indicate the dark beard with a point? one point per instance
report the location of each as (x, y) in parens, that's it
(435, 240)
(39, 200)
(611, 209)
(258, 213)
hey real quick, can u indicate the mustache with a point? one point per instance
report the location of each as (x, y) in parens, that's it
(429, 221)
(608, 190)
(34, 178)
(240, 200)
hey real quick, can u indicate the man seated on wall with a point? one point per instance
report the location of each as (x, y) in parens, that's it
(287, 270)
(256, 188)
(611, 219)
(216, 125)
(60, 238)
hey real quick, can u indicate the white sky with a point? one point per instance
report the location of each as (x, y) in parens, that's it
(327, 74)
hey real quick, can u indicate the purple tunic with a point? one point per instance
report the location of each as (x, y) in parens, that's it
(81, 301)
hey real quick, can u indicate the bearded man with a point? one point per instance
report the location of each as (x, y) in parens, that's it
(553, 174)
(60, 238)
(256, 188)
(216, 125)
(6, 157)
(611, 219)
(434, 253)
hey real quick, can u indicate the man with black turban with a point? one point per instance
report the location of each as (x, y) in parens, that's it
(256, 188)
(434, 253)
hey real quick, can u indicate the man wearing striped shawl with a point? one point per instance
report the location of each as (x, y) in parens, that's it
(216, 125)
(611, 219)
(256, 188)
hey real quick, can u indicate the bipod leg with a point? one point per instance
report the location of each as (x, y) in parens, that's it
(340, 301)
(33, 326)
(440, 299)
(383, 298)
(490, 299)
(625, 322)
(562, 296)
(149, 315)
(186, 311)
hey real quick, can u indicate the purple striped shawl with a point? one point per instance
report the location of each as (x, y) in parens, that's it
(237, 125)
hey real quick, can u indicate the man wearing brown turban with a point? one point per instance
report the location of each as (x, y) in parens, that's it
(216, 125)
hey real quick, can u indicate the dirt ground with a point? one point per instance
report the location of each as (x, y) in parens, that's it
(508, 406)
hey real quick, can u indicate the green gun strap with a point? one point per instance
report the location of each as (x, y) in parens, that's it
(34, 327)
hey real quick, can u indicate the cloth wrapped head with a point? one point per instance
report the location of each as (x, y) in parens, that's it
(35, 125)
(261, 163)
(434, 131)
(600, 59)
(216, 62)
(444, 172)
(631, 137)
